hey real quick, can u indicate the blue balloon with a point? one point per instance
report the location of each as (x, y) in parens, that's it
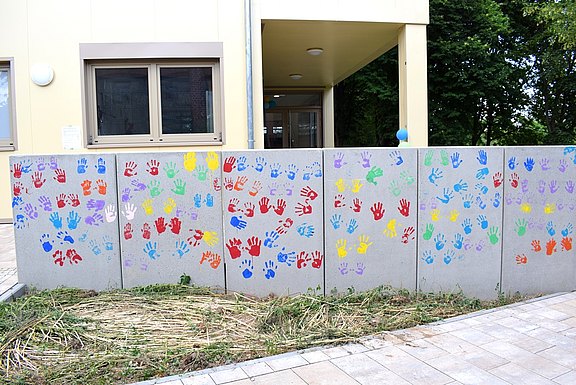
(402, 134)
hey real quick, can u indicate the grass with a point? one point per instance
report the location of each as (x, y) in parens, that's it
(70, 336)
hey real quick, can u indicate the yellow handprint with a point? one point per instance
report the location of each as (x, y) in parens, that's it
(357, 185)
(169, 205)
(454, 215)
(550, 208)
(341, 185)
(210, 237)
(341, 246)
(212, 160)
(526, 207)
(147, 206)
(363, 247)
(435, 214)
(190, 161)
(390, 230)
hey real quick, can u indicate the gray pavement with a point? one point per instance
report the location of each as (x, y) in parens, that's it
(532, 342)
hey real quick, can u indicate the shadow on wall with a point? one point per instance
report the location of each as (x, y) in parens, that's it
(480, 220)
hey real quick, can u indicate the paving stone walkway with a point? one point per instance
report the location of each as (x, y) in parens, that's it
(533, 342)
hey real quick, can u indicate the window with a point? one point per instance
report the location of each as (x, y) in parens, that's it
(7, 116)
(135, 102)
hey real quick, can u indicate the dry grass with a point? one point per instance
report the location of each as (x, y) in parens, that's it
(69, 336)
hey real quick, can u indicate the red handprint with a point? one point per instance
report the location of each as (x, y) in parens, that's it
(128, 231)
(17, 189)
(38, 179)
(497, 179)
(356, 205)
(146, 231)
(339, 201)
(404, 207)
(249, 209)
(60, 201)
(160, 225)
(153, 166)
(73, 200)
(302, 259)
(175, 225)
(228, 184)
(233, 249)
(73, 256)
(86, 185)
(240, 182)
(102, 186)
(284, 226)
(308, 193)
(536, 246)
(514, 178)
(521, 259)
(229, 164)
(232, 205)
(317, 259)
(17, 170)
(303, 208)
(60, 176)
(377, 210)
(58, 258)
(216, 184)
(408, 234)
(130, 169)
(550, 247)
(196, 238)
(566, 243)
(280, 206)
(256, 187)
(254, 244)
(264, 205)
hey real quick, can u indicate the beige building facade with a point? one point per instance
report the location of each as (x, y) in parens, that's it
(80, 76)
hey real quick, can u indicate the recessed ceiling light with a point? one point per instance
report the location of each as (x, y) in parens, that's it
(295, 76)
(315, 51)
(279, 96)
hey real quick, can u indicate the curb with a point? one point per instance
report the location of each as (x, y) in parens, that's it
(14, 292)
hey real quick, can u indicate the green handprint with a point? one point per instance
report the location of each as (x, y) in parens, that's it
(394, 188)
(170, 170)
(201, 173)
(521, 226)
(429, 231)
(408, 179)
(444, 155)
(493, 235)
(428, 158)
(155, 189)
(179, 187)
(374, 173)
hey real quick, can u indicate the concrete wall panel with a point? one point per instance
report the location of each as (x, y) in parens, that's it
(65, 219)
(370, 216)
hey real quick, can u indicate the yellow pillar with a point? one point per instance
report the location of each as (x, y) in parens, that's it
(413, 83)
(328, 118)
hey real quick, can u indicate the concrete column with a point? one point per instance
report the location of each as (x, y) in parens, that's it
(328, 118)
(413, 83)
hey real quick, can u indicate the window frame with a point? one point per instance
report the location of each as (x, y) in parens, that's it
(11, 143)
(152, 56)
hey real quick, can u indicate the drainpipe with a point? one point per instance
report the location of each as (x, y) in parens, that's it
(249, 90)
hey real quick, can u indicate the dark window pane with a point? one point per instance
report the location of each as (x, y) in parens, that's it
(122, 101)
(186, 97)
(4, 106)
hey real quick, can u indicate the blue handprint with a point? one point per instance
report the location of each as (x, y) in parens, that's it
(46, 242)
(336, 221)
(181, 249)
(529, 164)
(467, 225)
(95, 247)
(198, 200)
(209, 200)
(72, 220)
(82, 165)
(56, 220)
(269, 269)
(305, 230)
(352, 226)
(467, 200)
(396, 157)
(271, 237)
(550, 228)
(26, 167)
(480, 203)
(242, 163)
(440, 241)
(63, 236)
(101, 166)
(481, 188)
(448, 255)
(20, 221)
(291, 172)
(456, 161)
(151, 249)
(428, 257)
(482, 221)
(248, 268)
(482, 172)
(482, 157)
(17, 201)
(496, 200)
(108, 245)
(275, 170)
(435, 174)
(457, 242)
(287, 258)
(260, 163)
(447, 196)
(461, 186)
(568, 230)
(238, 222)
(512, 163)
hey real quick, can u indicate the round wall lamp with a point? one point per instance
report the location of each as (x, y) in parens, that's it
(315, 51)
(295, 76)
(41, 74)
